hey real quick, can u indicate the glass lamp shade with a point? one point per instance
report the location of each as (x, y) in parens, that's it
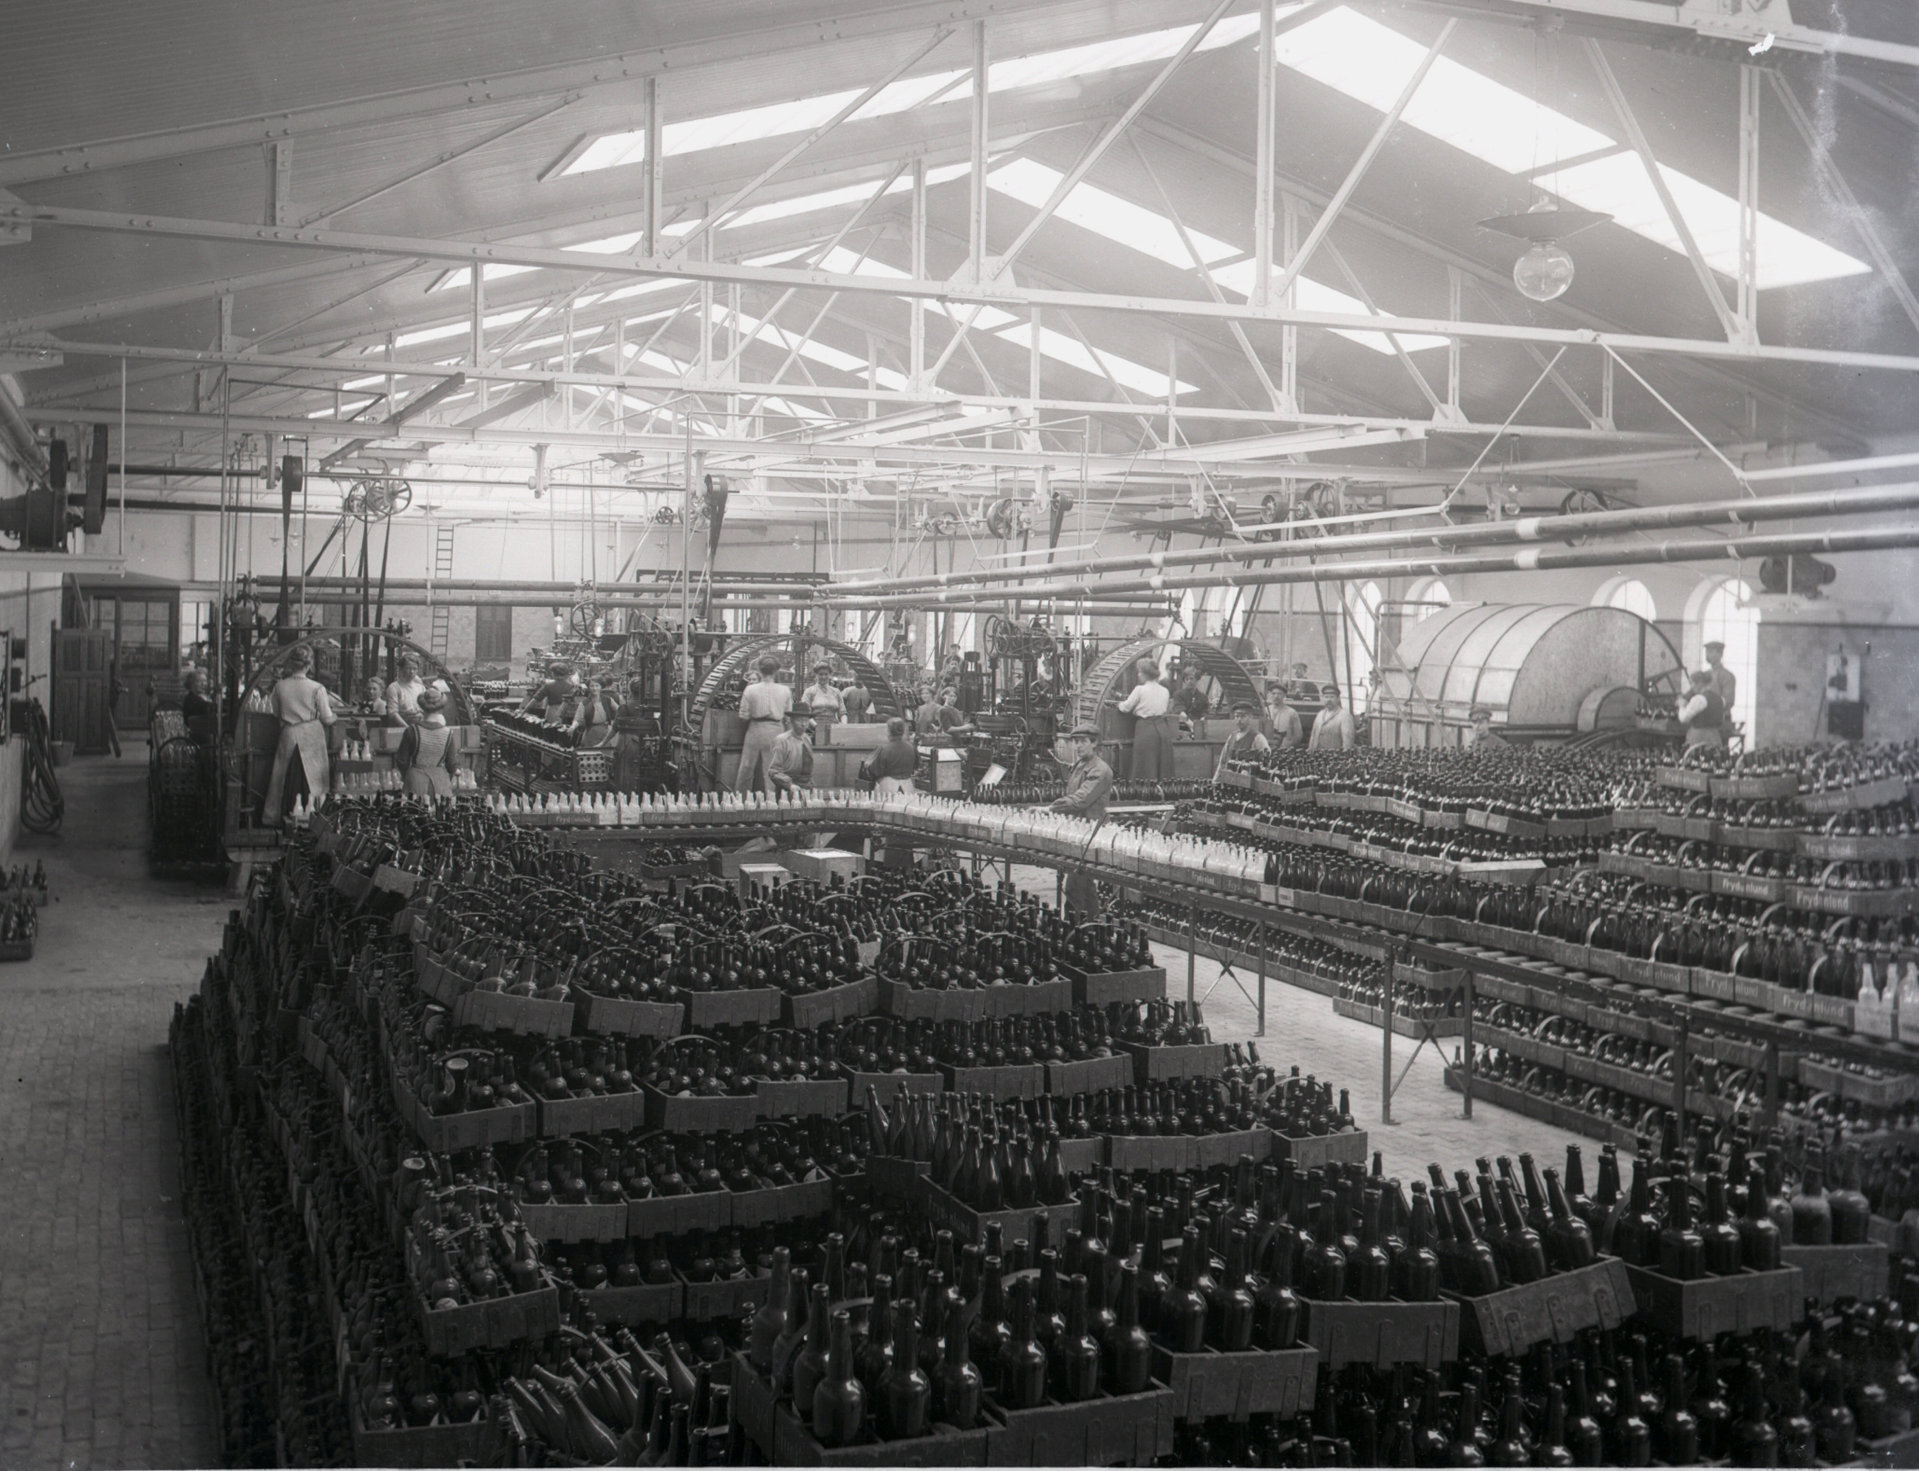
(1544, 272)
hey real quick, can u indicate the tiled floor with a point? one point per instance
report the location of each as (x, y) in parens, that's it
(101, 1362)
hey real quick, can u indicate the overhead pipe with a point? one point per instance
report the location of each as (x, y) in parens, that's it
(1532, 559)
(1740, 511)
(340, 597)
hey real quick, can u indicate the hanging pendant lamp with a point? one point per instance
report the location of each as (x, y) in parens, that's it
(1545, 270)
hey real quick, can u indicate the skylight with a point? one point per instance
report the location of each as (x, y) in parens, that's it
(1071, 351)
(1152, 233)
(819, 352)
(455, 329)
(752, 124)
(990, 319)
(1092, 208)
(1372, 63)
(1311, 296)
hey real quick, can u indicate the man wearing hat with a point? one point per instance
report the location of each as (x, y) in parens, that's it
(426, 758)
(1723, 681)
(1481, 738)
(1087, 786)
(1286, 733)
(1333, 726)
(1246, 741)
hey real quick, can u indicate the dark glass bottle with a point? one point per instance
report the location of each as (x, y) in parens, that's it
(1811, 1210)
(1324, 1276)
(1023, 1383)
(905, 1397)
(1463, 1449)
(1629, 1437)
(1076, 1356)
(1182, 1312)
(1635, 1233)
(1682, 1254)
(1752, 1441)
(1552, 1449)
(1678, 1436)
(1569, 1240)
(810, 1367)
(839, 1402)
(1723, 1249)
(1758, 1232)
(957, 1386)
(1129, 1368)
(1232, 1307)
(1369, 1272)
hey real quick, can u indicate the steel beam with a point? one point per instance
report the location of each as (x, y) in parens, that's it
(1366, 156)
(1767, 25)
(1486, 275)
(1748, 308)
(685, 245)
(976, 145)
(1882, 258)
(1265, 114)
(1112, 132)
(786, 42)
(1656, 176)
(987, 293)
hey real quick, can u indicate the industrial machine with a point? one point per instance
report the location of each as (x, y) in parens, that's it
(1548, 672)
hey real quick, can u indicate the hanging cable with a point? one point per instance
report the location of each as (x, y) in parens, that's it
(42, 806)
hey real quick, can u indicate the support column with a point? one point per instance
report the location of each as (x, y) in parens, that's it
(916, 319)
(1747, 309)
(1264, 114)
(655, 186)
(976, 217)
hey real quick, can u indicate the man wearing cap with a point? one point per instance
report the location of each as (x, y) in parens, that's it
(1087, 786)
(1151, 706)
(1724, 683)
(1703, 713)
(1333, 726)
(1246, 741)
(1482, 738)
(790, 768)
(1286, 732)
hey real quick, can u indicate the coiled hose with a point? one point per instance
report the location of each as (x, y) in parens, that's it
(42, 806)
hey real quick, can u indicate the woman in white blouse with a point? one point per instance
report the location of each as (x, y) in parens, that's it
(1151, 706)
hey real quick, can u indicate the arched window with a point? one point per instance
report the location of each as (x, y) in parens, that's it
(1628, 593)
(1427, 597)
(1362, 644)
(1725, 618)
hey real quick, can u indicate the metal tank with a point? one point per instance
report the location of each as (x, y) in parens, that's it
(1547, 671)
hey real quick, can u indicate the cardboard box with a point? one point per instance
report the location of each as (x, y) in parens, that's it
(823, 865)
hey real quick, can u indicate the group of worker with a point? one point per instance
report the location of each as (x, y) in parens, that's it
(1706, 712)
(427, 756)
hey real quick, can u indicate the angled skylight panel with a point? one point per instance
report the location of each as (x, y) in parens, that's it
(1372, 63)
(1070, 350)
(807, 347)
(1093, 208)
(456, 329)
(1619, 186)
(1311, 296)
(800, 204)
(778, 119)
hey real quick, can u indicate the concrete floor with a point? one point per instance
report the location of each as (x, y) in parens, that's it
(101, 1358)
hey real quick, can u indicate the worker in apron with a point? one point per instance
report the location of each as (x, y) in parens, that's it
(1704, 713)
(763, 707)
(1151, 706)
(636, 736)
(1088, 784)
(305, 714)
(427, 758)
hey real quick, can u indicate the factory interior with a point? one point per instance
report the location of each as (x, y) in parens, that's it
(878, 733)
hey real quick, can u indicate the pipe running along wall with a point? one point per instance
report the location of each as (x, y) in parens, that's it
(1740, 511)
(1532, 559)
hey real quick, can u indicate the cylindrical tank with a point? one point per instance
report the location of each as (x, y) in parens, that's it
(1545, 671)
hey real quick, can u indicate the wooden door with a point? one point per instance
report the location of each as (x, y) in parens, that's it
(82, 688)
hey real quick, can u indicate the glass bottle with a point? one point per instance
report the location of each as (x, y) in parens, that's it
(839, 1401)
(905, 1397)
(1023, 1384)
(1129, 1368)
(810, 1365)
(957, 1386)
(1182, 1312)
(1678, 1430)
(1752, 1441)
(770, 1321)
(1569, 1240)
(1076, 1355)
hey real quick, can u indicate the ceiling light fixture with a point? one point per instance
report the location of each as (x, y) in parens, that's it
(1544, 271)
